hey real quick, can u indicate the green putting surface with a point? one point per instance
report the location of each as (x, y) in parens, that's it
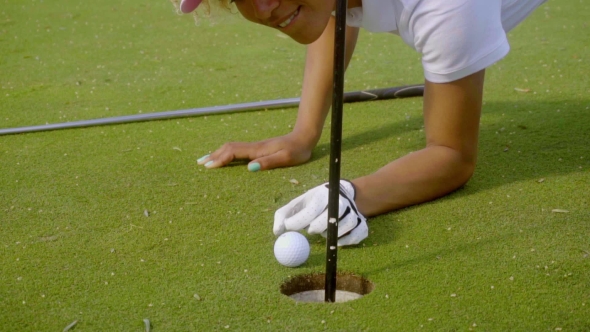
(112, 225)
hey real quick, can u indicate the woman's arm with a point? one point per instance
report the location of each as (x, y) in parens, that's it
(451, 121)
(316, 97)
(295, 148)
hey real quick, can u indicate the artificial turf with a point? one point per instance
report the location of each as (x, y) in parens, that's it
(111, 225)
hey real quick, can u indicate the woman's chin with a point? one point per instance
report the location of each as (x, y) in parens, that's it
(303, 39)
(306, 37)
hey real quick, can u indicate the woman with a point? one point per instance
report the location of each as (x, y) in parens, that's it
(458, 40)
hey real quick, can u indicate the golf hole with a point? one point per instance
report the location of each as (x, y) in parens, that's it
(310, 287)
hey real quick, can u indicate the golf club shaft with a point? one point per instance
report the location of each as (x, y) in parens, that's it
(335, 149)
(349, 97)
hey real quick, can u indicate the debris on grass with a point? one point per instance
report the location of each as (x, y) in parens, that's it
(71, 326)
(146, 213)
(293, 181)
(48, 238)
(522, 90)
(131, 226)
(197, 297)
(541, 180)
(559, 211)
(177, 148)
(147, 324)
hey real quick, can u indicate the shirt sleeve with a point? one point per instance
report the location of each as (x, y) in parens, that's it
(458, 38)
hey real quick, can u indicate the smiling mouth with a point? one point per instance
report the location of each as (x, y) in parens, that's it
(287, 21)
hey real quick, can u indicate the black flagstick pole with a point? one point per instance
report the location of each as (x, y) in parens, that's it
(335, 148)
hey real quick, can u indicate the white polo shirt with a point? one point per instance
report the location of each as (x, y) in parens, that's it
(455, 37)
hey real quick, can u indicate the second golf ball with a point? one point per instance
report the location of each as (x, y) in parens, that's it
(291, 249)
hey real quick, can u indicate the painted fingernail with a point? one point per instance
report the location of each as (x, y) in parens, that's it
(202, 158)
(209, 163)
(254, 167)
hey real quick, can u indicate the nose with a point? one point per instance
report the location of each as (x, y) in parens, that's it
(263, 8)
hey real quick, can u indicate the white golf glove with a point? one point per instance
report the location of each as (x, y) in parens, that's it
(310, 211)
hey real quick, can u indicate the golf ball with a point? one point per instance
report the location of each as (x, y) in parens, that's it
(291, 249)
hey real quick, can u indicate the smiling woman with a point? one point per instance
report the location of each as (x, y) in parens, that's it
(456, 39)
(302, 20)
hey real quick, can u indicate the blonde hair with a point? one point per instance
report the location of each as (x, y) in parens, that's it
(205, 7)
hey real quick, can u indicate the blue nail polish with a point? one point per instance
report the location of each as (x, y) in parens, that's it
(209, 163)
(254, 167)
(202, 158)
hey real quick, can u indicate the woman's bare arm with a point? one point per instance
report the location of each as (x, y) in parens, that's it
(451, 120)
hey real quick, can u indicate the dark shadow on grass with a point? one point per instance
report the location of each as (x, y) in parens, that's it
(519, 141)
(238, 162)
(528, 141)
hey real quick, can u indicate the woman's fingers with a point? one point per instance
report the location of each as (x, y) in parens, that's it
(227, 153)
(264, 155)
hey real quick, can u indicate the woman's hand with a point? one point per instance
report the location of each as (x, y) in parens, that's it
(282, 151)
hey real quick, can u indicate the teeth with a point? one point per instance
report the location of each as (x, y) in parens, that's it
(284, 24)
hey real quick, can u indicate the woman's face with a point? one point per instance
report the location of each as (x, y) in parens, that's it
(302, 20)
